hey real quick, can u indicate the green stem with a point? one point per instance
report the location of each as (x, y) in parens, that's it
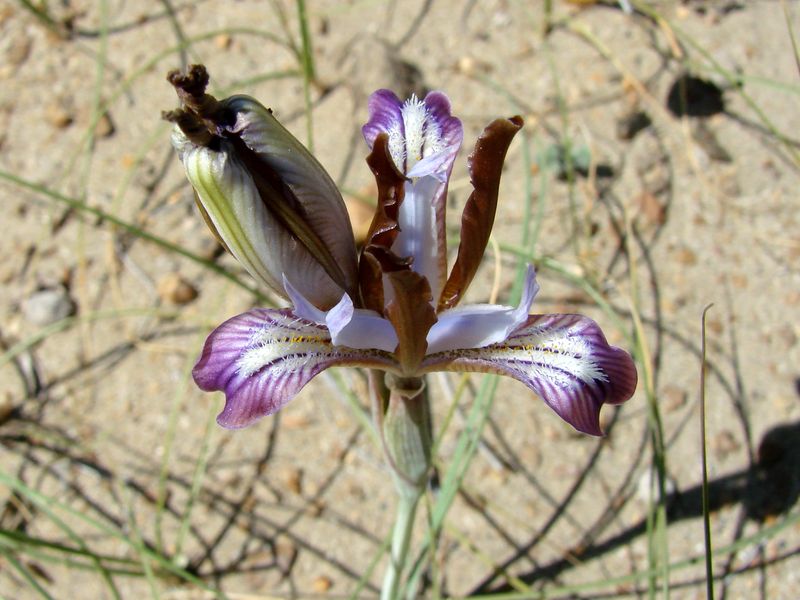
(403, 416)
(309, 74)
(401, 536)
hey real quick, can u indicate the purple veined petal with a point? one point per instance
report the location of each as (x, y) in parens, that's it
(442, 137)
(424, 137)
(565, 359)
(355, 328)
(423, 141)
(479, 325)
(385, 116)
(261, 359)
(436, 136)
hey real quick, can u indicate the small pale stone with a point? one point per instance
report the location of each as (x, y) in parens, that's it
(292, 479)
(104, 127)
(321, 584)
(223, 41)
(686, 257)
(649, 481)
(714, 326)
(466, 66)
(724, 444)
(295, 421)
(175, 289)
(19, 50)
(58, 116)
(739, 281)
(48, 306)
(672, 398)
(650, 208)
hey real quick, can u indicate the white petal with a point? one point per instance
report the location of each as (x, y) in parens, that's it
(418, 237)
(365, 330)
(479, 325)
(355, 328)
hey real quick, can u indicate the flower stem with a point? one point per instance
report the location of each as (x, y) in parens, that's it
(402, 415)
(401, 536)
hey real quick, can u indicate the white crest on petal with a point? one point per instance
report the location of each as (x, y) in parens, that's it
(289, 340)
(433, 138)
(546, 353)
(421, 135)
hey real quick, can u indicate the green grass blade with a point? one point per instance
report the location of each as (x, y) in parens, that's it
(706, 515)
(129, 227)
(46, 504)
(466, 446)
(197, 480)
(78, 540)
(309, 75)
(25, 573)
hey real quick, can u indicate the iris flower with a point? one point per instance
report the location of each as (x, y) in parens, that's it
(393, 305)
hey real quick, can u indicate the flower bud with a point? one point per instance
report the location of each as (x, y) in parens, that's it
(407, 433)
(264, 196)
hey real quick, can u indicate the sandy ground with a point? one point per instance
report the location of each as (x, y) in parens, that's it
(300, 503)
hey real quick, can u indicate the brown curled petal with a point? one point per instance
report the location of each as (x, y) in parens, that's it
(412, 314)
(485, 166)
(383, 230)
(377, 256)
(370, 276)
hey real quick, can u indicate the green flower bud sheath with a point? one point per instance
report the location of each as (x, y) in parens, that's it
(402, 411)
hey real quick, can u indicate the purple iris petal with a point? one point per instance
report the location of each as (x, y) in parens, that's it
(565, 359)
(384, 115)
(261, 359)
(444, 133)
(423, 140)
(479, 325)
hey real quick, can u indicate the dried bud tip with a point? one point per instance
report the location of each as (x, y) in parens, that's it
(191, 88)
(193, 127)
(192, 84)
